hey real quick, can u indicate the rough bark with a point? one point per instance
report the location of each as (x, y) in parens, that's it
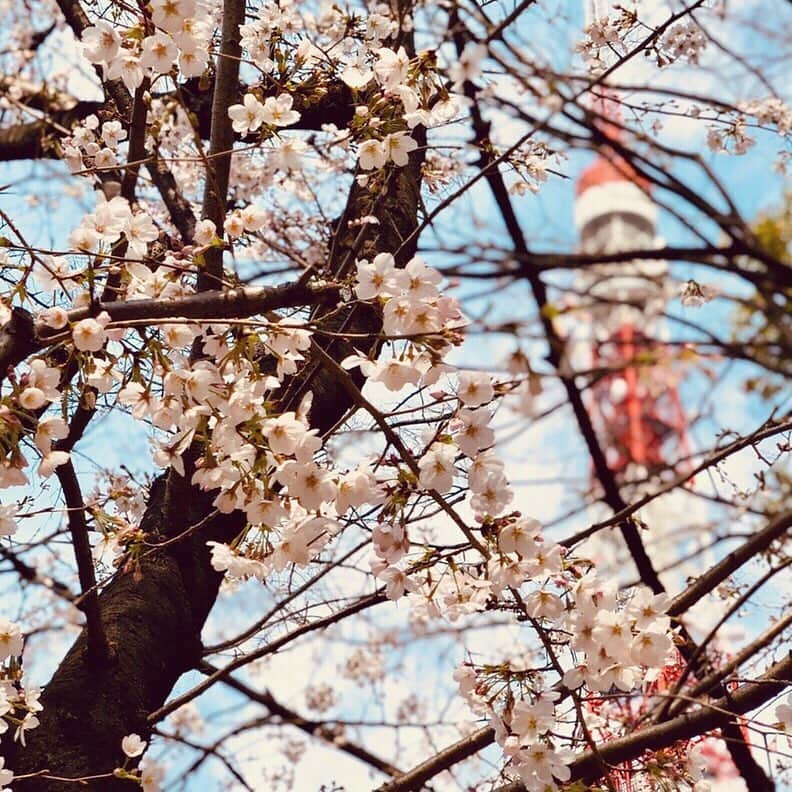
(152, 616)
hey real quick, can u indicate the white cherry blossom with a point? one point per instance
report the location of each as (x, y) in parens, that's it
(133, 745)
(475, 388)
(248, 116)
(437, 468)
(158, 53)
(378, 278)
(277, 111)
(101, 42)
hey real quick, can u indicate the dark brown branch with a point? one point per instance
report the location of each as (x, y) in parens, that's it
(770, 428)
(415, 779)
(137, 140)
(743, 656)
(97, 648)
(705, 583)
(221, 139)
(325, 104)
(20, 338)
(314, 728)
(17, 340)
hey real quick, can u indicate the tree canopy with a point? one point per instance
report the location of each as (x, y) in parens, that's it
(395, 396)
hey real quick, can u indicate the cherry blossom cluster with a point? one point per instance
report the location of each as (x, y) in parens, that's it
(177, 34)
(282, 32)
(683, 41)
(410, 94)
(531, 164)
(731, 139)
(256, 461)
(599, 641)
(93, 144)
(104, 226)
(260, 462)
(292, 500)
(609, 38)
(33, 391)
(18, 705)
(770, 110)
(276, 111)
(415, 311)
(605, 39)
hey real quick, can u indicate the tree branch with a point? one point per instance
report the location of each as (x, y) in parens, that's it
(709, 717)
(221, 139)
(222, 673)
(705, 583)
(21, 337)
(314, 728)
(97, 646)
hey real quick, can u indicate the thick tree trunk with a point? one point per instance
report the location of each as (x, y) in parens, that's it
(152, 616)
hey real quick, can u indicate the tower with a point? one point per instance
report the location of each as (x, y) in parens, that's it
(634, 398)
(635, 402)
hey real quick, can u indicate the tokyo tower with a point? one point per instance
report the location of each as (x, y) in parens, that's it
(634, 400)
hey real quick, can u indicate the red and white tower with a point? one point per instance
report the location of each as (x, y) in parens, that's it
(634, 401)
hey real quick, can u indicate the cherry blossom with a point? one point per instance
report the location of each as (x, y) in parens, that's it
(248, 116)
(278, 112)
(394, 374)
(379, 278)
(101, 43)
(391, 67)
(474, 433)
(171, 14)
(89, 335)
(398, 147)
(128, 69)
(468, 66)
(158, 53)
(52, 460)
(8, 524)
(373, 154)
(475, 388)
(437, 467)
(11, 641)
(132, 745)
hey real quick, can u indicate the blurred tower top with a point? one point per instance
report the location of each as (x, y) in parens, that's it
(635, 403)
